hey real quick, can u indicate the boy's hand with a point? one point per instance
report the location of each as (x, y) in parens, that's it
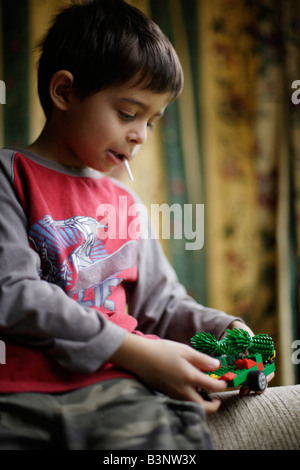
(171, 368)
(241, 326)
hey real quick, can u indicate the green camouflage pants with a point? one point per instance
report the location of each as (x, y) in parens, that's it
(112, 415)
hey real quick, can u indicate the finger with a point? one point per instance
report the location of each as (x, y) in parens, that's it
(241, 326)
(211, 365)
(270, 377)
(203, 361)
(244, 391)
(210, 384)
(211, 406)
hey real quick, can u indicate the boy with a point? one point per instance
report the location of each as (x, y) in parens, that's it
(80, 373)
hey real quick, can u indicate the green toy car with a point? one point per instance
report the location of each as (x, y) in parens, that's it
(243, 359)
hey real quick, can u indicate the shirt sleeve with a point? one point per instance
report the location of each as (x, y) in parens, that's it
(35, 312)
(161, 303)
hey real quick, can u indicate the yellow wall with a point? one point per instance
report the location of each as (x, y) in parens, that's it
(40, 15)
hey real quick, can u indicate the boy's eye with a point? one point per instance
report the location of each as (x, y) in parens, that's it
(130, 117)
(126, 116)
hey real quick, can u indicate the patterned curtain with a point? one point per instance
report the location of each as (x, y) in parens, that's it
(232, 142)
(182, 144)
(15, 53)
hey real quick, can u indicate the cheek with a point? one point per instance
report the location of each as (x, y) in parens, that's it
(92, 125)
(100, 128)
(88, 132)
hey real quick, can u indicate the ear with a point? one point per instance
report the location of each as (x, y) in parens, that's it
(60, 88)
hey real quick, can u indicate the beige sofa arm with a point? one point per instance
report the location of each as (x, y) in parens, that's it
(269, 421)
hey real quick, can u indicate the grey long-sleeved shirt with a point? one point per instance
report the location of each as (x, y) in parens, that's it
(72, 258)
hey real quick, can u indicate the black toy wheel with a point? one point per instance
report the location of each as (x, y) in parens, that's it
(257, 380)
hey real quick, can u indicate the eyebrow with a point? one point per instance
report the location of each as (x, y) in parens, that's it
(141, 105)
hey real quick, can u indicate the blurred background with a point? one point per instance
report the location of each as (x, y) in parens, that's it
(231, 142)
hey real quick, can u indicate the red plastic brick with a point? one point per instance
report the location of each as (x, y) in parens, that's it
(228, 376)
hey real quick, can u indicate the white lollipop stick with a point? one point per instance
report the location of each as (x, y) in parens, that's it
(128, 169)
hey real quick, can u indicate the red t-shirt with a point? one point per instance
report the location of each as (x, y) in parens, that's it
(85, 231)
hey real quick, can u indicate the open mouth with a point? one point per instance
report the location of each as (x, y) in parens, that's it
(120, 156)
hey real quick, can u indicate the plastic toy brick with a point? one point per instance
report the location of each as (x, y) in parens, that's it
(229, 376)
(260, 366)
(245, 363)
(243, 359)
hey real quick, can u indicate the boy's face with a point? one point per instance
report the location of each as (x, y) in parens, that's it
(103, 128)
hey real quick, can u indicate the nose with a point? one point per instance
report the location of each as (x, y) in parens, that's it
(138, 134)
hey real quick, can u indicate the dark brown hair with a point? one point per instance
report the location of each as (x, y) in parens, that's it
(103, 43)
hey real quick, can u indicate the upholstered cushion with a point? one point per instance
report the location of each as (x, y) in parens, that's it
(268, 421)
